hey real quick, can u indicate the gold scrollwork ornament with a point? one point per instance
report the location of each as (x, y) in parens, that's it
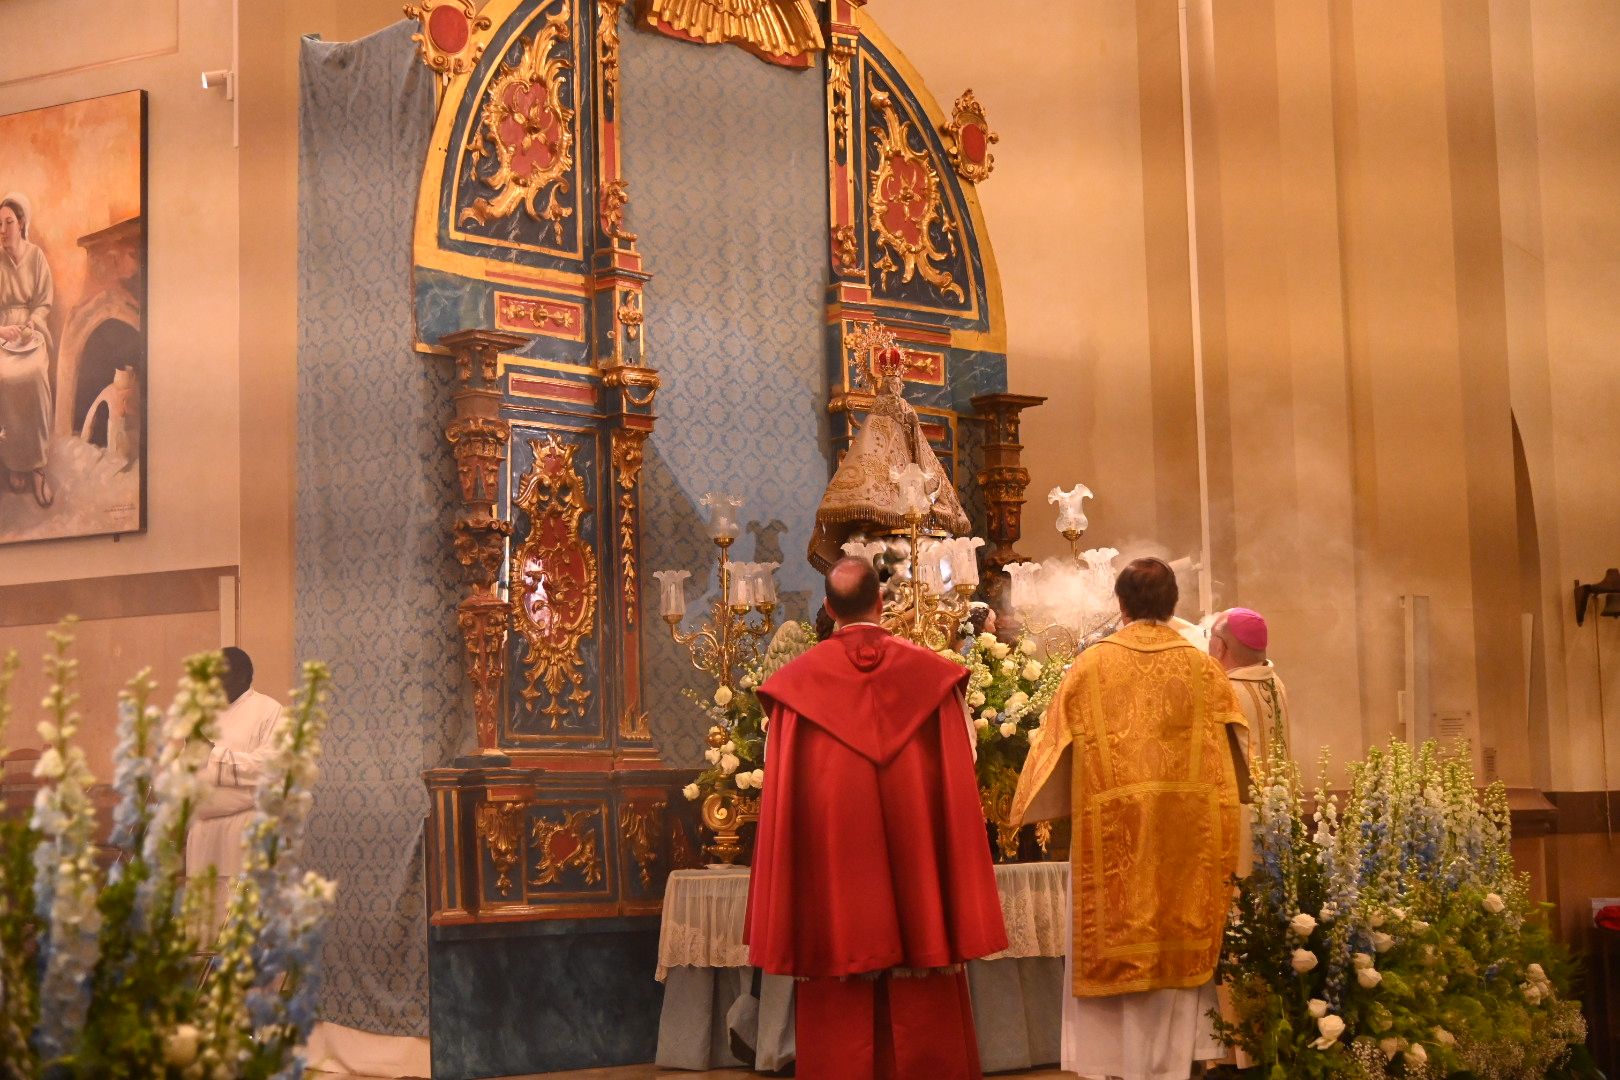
(447, 41)
(554, 580)
(638, 824)
(905, 205)
(528, 131)
(627, 460)
(499, 827)
(967, 138)
(569, 844)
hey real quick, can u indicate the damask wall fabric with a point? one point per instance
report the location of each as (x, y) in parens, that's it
(376, 585)
(725, 156)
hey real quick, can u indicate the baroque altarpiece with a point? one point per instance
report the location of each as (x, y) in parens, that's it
(530, 282)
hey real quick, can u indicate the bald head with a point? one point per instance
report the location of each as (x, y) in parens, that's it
(852, 591)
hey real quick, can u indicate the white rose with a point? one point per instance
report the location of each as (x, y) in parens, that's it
(1532, 992)
(1416, 1053)
(716, 729)
(1391, 1045)
(976, 698)
(1362, 961)
(722, 696)
(181, 1046)
(759, 778)
(728, 747)
(988, 714)
(1369, 978)
(1327, 913)
(1399, 913)
(1304, 960)
(49, 766)
(1418, 925)
(745, 780)
(1444, 1037)
(981, 723)
(1376, 920)
(987, 641)
(691, 792)
(1018, 700)
(1331, 1027)
(1008, 729)
(1537, 973)
(1493, 903)
(1382, 942)
(1302, 925)
(1008, 667)
(747, 682)
(1318, 1008)
(999, 650)
(712, 755)
(729, 763)
(1032, 671)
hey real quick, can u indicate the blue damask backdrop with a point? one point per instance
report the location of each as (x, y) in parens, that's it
(726, 161)
(376, 585)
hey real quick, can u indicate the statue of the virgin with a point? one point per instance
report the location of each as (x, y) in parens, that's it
(864, 495)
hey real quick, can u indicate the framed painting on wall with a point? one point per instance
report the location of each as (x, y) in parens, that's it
(73, 360)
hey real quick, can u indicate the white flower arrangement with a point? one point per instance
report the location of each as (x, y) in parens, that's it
(1425, 956)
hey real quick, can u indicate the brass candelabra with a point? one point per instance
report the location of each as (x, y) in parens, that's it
(728, 640)
(915, 611)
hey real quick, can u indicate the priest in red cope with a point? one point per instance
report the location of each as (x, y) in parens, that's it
(872, 882)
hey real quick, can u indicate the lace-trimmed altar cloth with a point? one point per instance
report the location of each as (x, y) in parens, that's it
(704, 909)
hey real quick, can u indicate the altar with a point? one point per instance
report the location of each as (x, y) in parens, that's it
(714, 1002)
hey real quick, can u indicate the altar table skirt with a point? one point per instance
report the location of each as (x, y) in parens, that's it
(1017, 1012)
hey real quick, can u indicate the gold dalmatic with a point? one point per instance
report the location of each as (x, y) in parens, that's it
(1142, 717)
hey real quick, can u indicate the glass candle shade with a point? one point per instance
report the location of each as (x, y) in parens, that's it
(722, 514)
(672, 592)
(765, 583)
(1071, 507)
(1022, 576)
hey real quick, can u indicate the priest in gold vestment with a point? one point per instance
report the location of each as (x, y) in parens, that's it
(1136, 746)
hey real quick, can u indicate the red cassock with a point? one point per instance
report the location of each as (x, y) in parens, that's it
(871, 855)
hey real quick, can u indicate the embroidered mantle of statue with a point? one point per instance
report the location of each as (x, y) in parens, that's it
(864, 494)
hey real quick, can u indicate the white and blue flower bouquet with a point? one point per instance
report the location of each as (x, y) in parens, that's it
(1385, 932)
(99, 969)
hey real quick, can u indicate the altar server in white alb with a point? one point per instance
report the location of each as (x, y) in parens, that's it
(244, 742)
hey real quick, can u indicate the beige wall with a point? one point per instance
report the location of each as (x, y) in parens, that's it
(1407, 237)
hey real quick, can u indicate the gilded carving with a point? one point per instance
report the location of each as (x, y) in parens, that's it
(638, 823)
(447, 41)
(905, 204)
(527, 131)
(629, 378)
(629, 315)
(627, 459)
(846, 247)
(607, 49)
(479, 542)
(615, 197)
(554, 580)
(480, 447)
(569, 844)
(782, 31)
(839, 61)
(967, 138)
(482, 620)
(499, 826)
(528, 313)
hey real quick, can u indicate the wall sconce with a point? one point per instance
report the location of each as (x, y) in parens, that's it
(220, 80)
(1604, 594)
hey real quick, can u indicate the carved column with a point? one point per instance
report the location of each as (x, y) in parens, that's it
(1003, 478)
(479, 437)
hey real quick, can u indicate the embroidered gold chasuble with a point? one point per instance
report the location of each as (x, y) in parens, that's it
(1135, 745)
